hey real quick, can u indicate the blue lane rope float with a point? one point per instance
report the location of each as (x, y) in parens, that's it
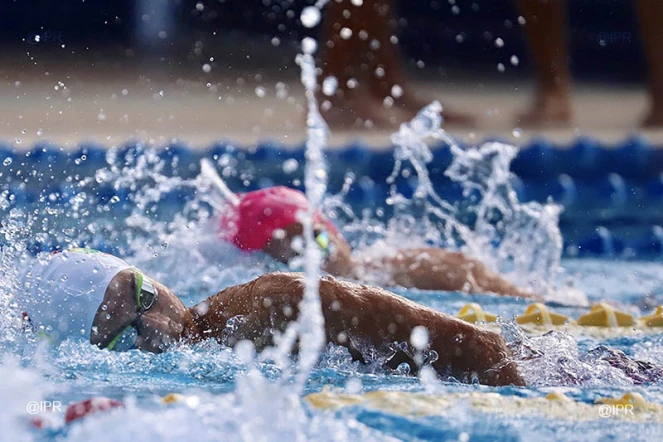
(599, 185)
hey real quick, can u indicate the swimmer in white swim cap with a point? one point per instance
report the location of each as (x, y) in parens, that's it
(71, 294)
(95, 296)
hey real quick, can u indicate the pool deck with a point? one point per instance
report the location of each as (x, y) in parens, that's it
(117, 108)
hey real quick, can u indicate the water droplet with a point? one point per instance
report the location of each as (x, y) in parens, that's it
(329, 85)
(200, 6)
(207, 68)
(396, 91)
(310, 16)
(517, 132)
(64, 278)
(17, 140)
(115, 199)
(500, 67)
(499, 43)
(104, 307)
(514, 60)
(309, 45)
(357, 2)
(345, 33)
(276, 41)
(290, 166)
(108, 316)
(7, 161)
(419, 337)
(260, 92)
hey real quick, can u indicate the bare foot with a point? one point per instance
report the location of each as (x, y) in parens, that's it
(654, 119)
(548, 110)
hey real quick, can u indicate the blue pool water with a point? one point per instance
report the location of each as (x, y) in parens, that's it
(152, 208)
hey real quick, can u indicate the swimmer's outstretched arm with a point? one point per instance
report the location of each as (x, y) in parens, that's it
(439, 269)
(422, 268)
(356, 316)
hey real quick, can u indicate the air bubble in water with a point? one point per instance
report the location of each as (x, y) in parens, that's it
(7, 161)
(514, 60)
(310, 16)
(207, 68)
(260, 91)
(499, 43)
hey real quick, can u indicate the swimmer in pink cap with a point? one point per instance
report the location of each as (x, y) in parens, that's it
(268, 220)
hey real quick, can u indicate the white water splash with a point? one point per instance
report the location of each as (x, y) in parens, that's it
(311, 320)
(519, 240)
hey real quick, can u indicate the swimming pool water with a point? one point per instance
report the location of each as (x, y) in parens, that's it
(137, 207)
(230, 408)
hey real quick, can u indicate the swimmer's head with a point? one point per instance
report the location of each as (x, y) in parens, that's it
(268, 220)
(138, 312)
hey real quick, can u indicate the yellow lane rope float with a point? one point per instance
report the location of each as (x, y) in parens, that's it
(474, 313)
(602, 321)
(630, 407)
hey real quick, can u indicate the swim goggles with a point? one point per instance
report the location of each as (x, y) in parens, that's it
(322, 239)
(146, 296)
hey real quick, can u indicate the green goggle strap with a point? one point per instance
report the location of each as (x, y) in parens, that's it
(139, 288)
(117, 338)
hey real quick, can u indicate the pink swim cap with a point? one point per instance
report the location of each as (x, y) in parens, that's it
(252, 223)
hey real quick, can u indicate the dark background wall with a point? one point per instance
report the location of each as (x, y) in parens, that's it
(603, 34)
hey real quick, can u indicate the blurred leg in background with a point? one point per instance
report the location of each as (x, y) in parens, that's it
(359, 51)
(545, 28)
(651, 14)
(546, 32)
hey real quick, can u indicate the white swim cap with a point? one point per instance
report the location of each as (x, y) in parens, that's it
(63, 291)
